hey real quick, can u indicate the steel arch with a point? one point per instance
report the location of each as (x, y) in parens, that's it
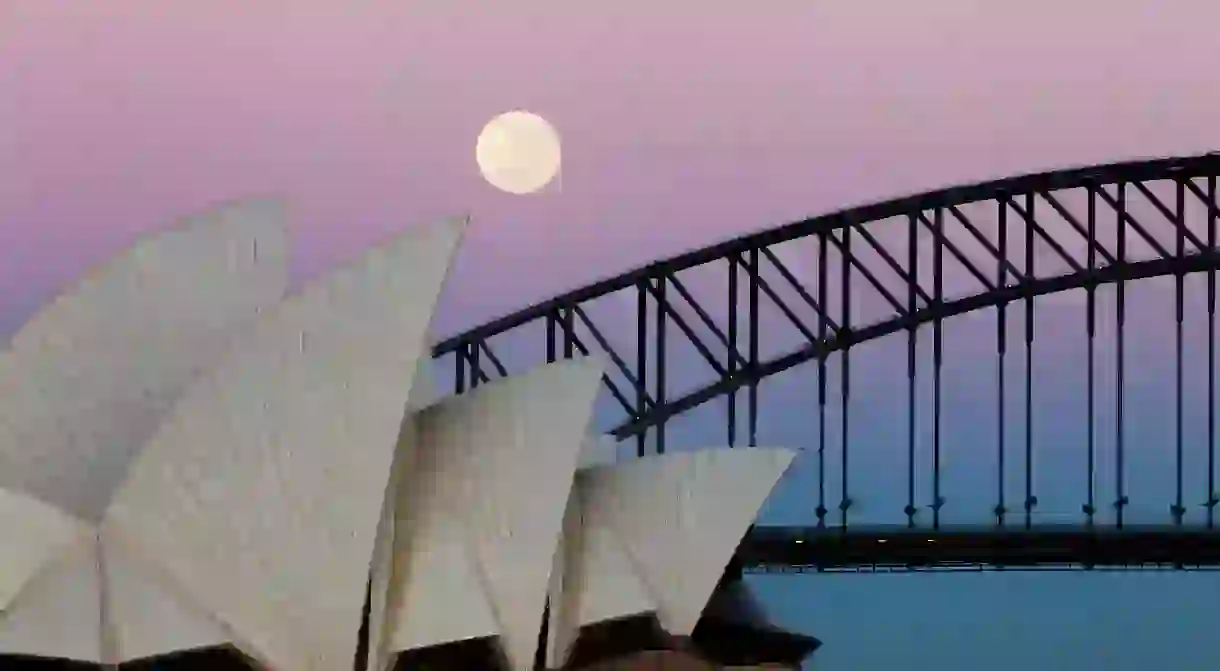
(1007, 281)
(1006, 191)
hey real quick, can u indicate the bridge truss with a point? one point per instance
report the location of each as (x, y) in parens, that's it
(751, 308)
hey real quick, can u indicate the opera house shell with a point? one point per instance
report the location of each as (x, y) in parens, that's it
(193, 458)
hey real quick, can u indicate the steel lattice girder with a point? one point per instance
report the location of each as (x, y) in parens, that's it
(724, 332)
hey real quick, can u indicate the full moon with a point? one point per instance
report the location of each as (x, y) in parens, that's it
(518, 152)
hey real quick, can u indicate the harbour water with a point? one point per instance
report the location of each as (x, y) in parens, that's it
(1002, 621)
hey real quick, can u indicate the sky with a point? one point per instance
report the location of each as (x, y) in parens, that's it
(682, 123)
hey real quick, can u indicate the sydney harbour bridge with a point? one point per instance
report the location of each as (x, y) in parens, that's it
(707, 331)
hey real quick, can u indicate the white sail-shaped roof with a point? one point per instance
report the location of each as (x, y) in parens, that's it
(262, 491)
(594, 579)
(423, 393)
(434, 561)
(601, 450)
(225, 466)
(482, 509)
(654, 534)
(86, 380)
(58, 613)
(423, 389)
(31, 534)
(590, 547)
(679, 517)
(144, 614)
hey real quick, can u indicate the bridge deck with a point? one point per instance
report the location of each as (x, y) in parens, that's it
(770, 547)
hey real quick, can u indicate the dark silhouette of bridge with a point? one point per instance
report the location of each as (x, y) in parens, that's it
(1095, 226)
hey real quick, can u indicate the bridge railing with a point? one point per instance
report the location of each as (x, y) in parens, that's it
(1165, 546)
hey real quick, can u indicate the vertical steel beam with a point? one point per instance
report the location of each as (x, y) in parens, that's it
(1213, 497)
(1001, 350)
(552, 342)
(731, 364)
(569, 332)
(1120, 502)
(752, 390)
(845, 375)
(912, 361)
(1177, 510)
(1090, 506)
(641, 359)
(476, 369)
(938, 297)
(459, 369)
(661, 346)
(823, 295)
(1030, 500)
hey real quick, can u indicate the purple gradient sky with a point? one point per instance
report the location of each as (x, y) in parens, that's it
(683, 122)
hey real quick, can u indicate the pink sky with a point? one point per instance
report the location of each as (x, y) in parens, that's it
(683, 122)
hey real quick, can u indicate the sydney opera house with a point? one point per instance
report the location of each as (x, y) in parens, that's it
(201, 469)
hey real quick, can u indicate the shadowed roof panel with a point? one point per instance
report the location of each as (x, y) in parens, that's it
(681, 516)
(504, 458)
